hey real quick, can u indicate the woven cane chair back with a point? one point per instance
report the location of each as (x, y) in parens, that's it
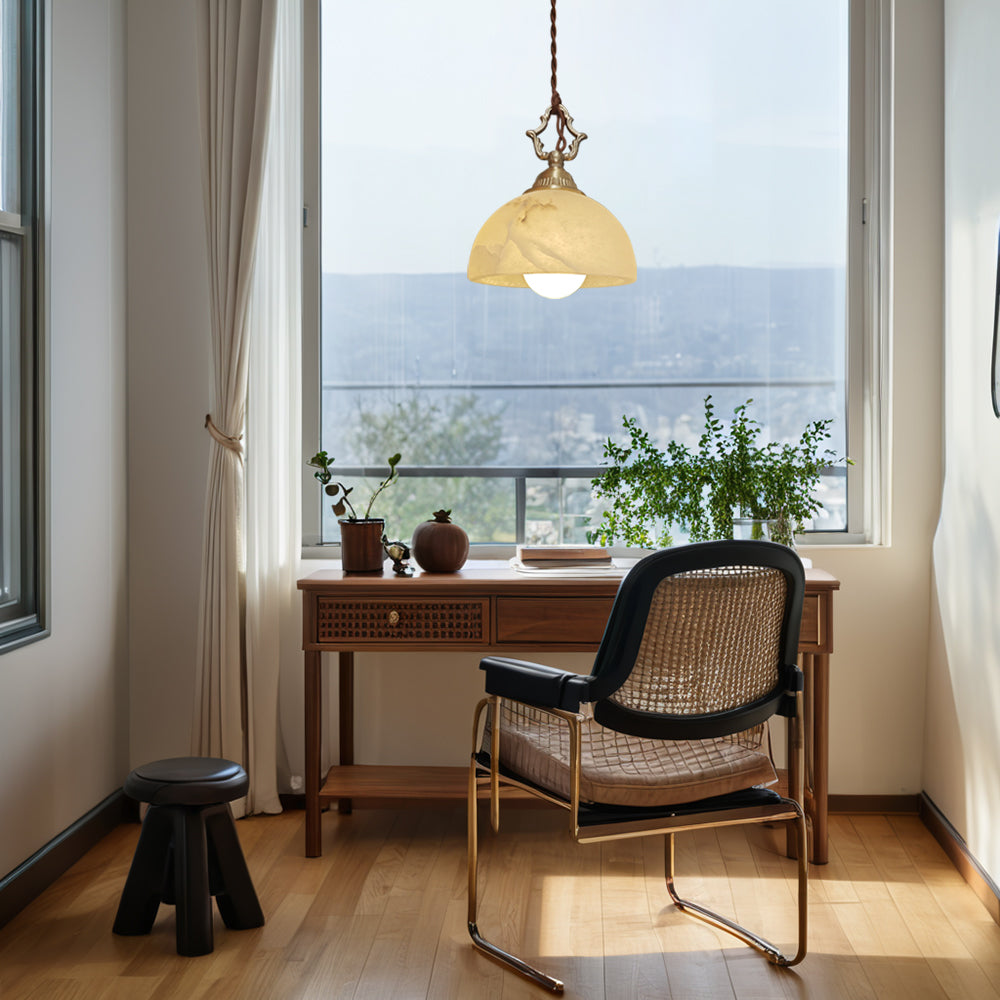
(712, 642)
(700, 641)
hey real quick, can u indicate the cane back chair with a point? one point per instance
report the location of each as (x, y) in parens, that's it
(668, 732)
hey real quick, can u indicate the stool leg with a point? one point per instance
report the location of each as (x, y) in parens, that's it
(236, 898)
(144, 886)
(191, 889)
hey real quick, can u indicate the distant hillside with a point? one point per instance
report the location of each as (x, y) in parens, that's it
(674, 323)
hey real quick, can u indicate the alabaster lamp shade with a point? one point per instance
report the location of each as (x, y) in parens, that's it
(555, 232)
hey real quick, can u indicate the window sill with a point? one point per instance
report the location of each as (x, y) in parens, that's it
(819, 540)
(22, 637)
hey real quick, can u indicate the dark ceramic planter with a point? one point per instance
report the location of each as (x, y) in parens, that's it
(361, 545)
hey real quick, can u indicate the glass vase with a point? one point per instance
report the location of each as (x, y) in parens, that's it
(754, 529)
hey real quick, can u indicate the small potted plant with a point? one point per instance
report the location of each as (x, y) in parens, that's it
(360, 537)
(730, 475)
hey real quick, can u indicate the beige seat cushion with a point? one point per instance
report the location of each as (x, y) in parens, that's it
(626, 770)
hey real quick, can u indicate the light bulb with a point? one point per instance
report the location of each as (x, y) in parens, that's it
(554, 286)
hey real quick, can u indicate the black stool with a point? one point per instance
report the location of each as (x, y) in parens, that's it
(188, 851)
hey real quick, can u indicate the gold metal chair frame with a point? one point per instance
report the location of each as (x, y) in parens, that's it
(787, 809)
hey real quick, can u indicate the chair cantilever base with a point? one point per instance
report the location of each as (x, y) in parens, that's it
(717, 920)
(512, 962)
(773, 955)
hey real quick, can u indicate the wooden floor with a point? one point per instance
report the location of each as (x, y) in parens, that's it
(382, 915)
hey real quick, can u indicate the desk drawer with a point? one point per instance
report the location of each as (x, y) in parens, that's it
(564, 621)
(580, 621)
(360, 623)
(814, 631)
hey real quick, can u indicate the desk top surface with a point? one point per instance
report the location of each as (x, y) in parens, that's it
(494, 575)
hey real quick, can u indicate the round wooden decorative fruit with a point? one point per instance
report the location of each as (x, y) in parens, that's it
(439, 546)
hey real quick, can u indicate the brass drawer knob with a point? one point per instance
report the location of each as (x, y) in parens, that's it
(393, 617)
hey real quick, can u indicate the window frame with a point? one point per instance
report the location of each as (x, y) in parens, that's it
(867, 347)
(25, 620)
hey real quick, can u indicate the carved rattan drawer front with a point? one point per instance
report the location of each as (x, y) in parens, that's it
(356, 623)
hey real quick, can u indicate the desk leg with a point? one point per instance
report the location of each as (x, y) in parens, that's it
(313, 723)
(820, 756)
(816, 718)
(346, 709)
(794, 762)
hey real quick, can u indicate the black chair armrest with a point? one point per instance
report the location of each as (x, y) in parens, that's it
(535, 683)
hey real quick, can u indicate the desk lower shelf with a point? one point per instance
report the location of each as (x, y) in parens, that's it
(375, 786)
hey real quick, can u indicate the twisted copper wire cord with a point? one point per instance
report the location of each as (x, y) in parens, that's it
(556, 103)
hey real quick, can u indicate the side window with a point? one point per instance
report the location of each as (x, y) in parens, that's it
(20, 499)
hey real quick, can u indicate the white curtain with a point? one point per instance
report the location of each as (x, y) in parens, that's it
(274, 425)
(236, 59)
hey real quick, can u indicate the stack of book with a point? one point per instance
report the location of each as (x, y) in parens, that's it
(565, 560)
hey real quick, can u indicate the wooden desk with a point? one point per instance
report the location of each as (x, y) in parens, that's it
(488, 607)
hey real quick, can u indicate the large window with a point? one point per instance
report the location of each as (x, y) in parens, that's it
(722, 136)
(20, 595)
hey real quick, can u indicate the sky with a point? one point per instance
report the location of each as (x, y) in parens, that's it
(717, 128)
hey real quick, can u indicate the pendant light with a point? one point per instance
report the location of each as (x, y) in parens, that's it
(553, 238)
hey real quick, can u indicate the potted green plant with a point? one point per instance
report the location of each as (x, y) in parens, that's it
(730, 474)
(360, 537)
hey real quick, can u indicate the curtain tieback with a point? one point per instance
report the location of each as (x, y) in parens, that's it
(232, 443)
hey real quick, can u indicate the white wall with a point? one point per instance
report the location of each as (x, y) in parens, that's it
(879, 667)
(962, 770)
(63, 700)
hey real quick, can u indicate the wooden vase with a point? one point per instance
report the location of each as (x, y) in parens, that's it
(439, 546)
